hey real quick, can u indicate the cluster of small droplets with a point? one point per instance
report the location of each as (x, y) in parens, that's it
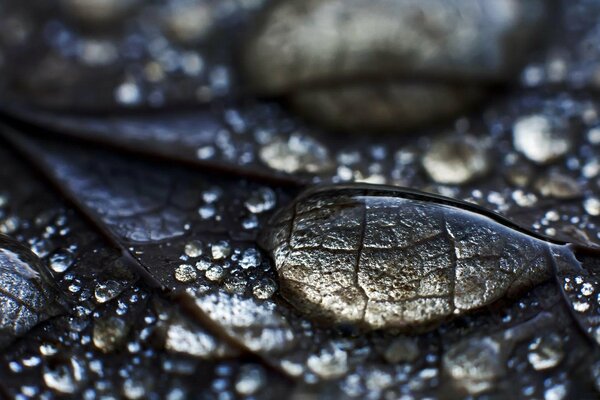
(585, 299)
(219, 263)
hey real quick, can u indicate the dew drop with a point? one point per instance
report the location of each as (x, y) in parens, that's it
(592, 206)
(545, 351)
(261, 200)
(109, 333)
(106, 291)
(207, 211)
(250, 380)
(214, 273)
(61, 260)
(65, 377)
(329, 363)
(456, 160)
(185, 273)
(264, 289)
(540, 139)
(299, 153)
(194, 248)
(28, 295)
(250, 259)
(220, 250)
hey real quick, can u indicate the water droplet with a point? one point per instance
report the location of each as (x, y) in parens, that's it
(235, 284)
(540, 139)
(299, 153)
(134, 389)
(109, 333)
(474, 365)
(592, 206)
(212, 195)
(558, 186)
(128, 93)
(545, 351)
(194, 248)
(331, 271)
(330, 363)
(401, 349)
(185, 273)
(65, 377)
(220, 250)
(261, 200)
(215, 273)
(587, 289)
(581, 306)
(61, 260)
(456, 159)
(250, 258)
(206, 152)
(28, 295)
(264, 289)
(106, 291)
(556, 392)
(250, 380)
(593, 135)
(207, 211)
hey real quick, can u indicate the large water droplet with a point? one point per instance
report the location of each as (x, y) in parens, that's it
(27, 294)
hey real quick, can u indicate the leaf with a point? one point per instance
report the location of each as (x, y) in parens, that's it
(108, 316)
(221, 280)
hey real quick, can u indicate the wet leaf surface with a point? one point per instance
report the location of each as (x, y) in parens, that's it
(177, 198)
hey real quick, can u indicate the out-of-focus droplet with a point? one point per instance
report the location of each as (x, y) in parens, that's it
(456, 159)
(65, 377)
(474, 365)
(330, 363)
(261, 200)
(109, 333)
(250, 379)
(558, 186)
(300, 153)
(541, 139)
(546, 351)
(592, 206)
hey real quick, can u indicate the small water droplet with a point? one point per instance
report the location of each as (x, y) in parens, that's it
(261, 200)
(65, 377)
(250, 380)
(456, 159)
(264, 289)
(194, 248)
(299, 153)
(220, 250)
(185, 273)
(106, 291)
(214, 273)
(250, 258)
(109, 333)
(592, 206)
(545, 351)
(61, 260)
(207, 211)
(540, 139)
(329, 363)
